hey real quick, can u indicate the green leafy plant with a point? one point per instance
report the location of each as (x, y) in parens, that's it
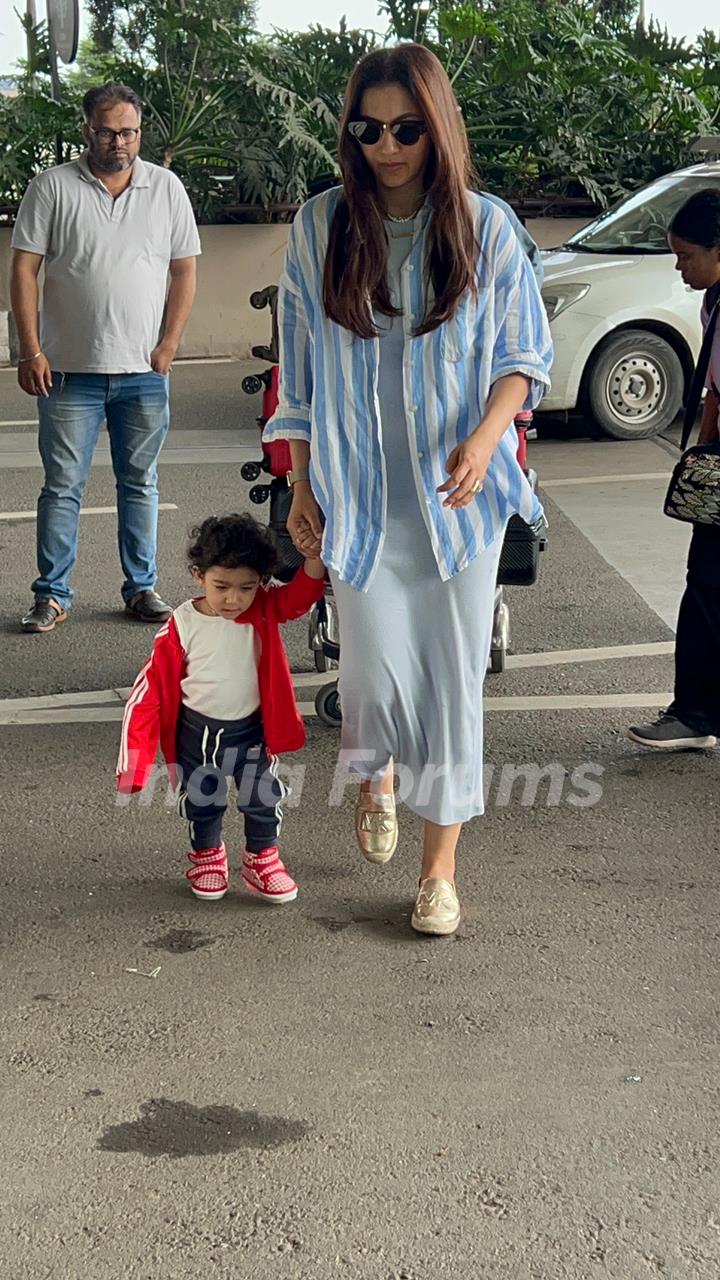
(562, 98)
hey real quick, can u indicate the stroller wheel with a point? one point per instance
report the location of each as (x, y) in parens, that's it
(250, 471)
(259, 493)
(262, 297)
(252, 384)
(327, 705)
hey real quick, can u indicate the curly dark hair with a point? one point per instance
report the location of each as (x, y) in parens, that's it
(232, 542)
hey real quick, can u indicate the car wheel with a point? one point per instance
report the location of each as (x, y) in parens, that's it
(634, 385)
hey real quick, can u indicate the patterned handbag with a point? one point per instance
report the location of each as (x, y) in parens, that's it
(694, 491)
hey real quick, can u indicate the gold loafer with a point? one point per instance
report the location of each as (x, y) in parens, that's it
(437, 909)
(376, 828)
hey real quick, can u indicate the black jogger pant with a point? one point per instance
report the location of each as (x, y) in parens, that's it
(697, 644)
(212, 752)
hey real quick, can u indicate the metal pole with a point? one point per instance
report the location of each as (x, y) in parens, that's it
(56, 85)
(31, 11)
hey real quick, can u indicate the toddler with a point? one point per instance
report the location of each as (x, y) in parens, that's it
(218, 697)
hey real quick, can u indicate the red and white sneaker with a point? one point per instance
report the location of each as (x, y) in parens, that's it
(208, 874)
(265, 875)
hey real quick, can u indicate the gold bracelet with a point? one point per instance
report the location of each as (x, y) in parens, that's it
(28, 359)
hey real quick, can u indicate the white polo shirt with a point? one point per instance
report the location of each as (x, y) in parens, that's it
(106, 262)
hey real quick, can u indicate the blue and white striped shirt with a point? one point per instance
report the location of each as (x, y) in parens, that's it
(328, 392)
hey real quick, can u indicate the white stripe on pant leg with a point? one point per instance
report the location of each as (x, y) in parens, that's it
(181, 804)
(273, 767)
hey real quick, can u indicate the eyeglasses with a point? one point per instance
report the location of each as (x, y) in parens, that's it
(109, 135)
(369, 132)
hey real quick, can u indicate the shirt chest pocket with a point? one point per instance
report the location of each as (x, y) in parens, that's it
(457, 335)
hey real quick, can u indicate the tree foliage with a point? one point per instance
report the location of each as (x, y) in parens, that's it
(561, 97)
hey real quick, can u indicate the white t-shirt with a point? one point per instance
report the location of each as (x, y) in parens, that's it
(221, 679)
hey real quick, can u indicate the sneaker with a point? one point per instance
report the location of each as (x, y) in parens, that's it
(208, 874)
(265, 875)
(437, 909)
(667, 733)
(45, 615)
(147, 606)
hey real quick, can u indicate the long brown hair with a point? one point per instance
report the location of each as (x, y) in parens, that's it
(356, 262)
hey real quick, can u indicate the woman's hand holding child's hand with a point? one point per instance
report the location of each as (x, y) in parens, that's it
(304, 524)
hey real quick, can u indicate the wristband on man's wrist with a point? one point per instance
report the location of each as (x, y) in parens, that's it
(29, 359)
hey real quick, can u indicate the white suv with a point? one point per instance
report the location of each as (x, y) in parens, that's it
(626, 329)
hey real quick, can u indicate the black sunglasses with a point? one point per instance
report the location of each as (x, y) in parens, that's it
(368, 132)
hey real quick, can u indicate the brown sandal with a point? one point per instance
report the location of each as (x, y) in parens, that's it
(45, 615)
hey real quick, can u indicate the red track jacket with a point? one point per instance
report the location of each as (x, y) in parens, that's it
(153, 708)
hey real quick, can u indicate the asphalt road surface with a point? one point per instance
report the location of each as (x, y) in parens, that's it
(313, 1091)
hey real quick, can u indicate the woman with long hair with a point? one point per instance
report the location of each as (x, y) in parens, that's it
(411, 333)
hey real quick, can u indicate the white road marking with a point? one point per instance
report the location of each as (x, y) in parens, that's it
(20, 422)
(190, 361)
(183, 363)
(48, 702)
(614, 479)
(565, 657)
(85, 511)
(69, 714)
(578, 702)
(100, 705)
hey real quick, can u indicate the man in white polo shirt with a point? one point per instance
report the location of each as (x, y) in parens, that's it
(109, 227)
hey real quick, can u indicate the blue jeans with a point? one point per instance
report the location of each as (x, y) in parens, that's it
(135, 407)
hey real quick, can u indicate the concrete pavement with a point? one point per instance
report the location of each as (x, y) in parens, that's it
(314, 1092)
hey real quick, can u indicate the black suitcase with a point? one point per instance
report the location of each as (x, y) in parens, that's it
(280, 501)
(520, 555)
(519, 558)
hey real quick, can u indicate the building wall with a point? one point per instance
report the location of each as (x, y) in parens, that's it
(237, 260)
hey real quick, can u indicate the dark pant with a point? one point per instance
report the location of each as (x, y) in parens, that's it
(210, 753)
(697, 644)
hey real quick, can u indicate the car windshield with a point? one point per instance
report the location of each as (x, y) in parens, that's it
(639, 224)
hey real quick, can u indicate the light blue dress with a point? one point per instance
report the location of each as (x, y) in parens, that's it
(413, 648)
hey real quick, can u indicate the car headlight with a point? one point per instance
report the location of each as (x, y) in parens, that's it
(558, 297)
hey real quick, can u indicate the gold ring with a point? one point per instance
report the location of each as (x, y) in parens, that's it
(477, 486)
